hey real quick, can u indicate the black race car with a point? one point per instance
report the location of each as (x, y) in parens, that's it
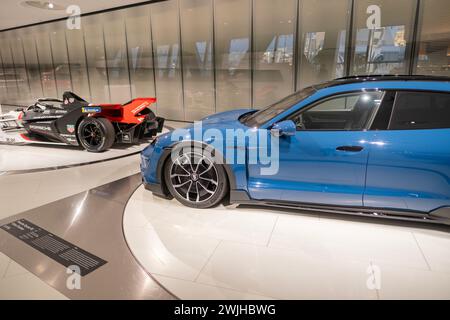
(74, 121)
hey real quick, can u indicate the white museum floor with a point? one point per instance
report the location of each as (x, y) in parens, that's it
(254, 252)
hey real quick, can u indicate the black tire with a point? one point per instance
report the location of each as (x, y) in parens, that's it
(96, 134)
(207, 183)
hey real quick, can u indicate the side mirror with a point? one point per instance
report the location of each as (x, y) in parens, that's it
(283, 128)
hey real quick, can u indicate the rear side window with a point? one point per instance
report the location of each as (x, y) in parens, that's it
(420, 110)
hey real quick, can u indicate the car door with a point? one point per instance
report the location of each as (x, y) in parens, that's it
(409, 163)
(325, 161)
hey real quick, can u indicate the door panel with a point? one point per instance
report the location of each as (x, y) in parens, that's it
(409, 164)
(325, 161)
(313, 170)
(409, 169)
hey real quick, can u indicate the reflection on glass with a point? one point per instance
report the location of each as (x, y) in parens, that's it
(140, 54)
(165, 25)
(96, 59)
(117, 59)
(9, 72)
(77, 60)
(274, 26)
(20, 68)
(322, 41)
(60, 58)
(233, 70)
(382, 36)
(46, 67)
(32, 64)
(198, 75)
(434, 40)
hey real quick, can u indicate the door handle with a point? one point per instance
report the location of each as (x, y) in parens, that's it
(350, 148)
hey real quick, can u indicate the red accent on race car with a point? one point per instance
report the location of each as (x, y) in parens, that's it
(125, 113)
(25, 137)
(20, 116)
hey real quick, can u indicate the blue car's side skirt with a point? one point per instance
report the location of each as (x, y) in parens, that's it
(439, 216)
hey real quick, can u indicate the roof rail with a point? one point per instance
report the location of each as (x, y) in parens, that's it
(395, 76)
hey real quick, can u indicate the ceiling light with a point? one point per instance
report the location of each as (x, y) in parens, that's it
(43, 5)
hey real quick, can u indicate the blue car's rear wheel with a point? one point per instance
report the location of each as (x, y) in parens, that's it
(194, 179)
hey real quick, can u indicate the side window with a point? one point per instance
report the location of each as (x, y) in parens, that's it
(344, 112)
(420, 110)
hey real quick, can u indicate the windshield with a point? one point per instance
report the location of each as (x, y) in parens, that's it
(260, 117)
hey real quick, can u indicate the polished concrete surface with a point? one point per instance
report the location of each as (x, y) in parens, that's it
(18, 283)
(255, 252)
(91, 220)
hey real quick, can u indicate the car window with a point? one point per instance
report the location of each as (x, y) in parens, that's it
(351, 111)
(262, 116)
(420, 110)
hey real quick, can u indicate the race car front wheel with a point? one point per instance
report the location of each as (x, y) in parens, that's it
(96, 134)
(194, 179)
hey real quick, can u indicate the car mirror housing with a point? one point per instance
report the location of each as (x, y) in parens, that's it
(283, 128)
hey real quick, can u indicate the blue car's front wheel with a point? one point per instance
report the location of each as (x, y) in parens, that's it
(194, 179)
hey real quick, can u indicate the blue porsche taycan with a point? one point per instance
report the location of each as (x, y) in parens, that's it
(376, 145)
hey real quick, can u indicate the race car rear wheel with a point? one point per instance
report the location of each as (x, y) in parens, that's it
(96, 134)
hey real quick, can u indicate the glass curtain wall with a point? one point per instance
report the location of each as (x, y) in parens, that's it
(199, 57)
(77, 63)
(18, 57)
(274, 28)
(433, 56)
(9, 72)
(322, 40)
(116, 56)
(45, 60)
(60, 58)
(140, 52)
(166, 46)
(31, 62)
(233, 54)
(382, 36)
(96, 58)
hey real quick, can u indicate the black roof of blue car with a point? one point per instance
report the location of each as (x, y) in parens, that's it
(365, 78)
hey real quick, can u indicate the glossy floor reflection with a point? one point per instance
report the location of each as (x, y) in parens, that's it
(91, 220)
(253, 252)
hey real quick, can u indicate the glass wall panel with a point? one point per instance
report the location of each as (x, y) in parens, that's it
(274, 29)
(434, 39)
(198, 70)
(77, 60)
(32, 63)
(117, 59)
(60, 57)
(96, 58)
(20, 68)
(382, 36)
(3, 86)
(166, 42)
(140, 54)
(9, 72)
(46, 67)
(322, 41)
(232, 51)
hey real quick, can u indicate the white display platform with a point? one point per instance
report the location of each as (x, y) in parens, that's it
(257, 253)
(33, 157)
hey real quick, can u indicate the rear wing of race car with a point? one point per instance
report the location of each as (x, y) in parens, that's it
(132, 112)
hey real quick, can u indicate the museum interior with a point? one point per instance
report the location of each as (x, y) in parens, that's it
(89, 88)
